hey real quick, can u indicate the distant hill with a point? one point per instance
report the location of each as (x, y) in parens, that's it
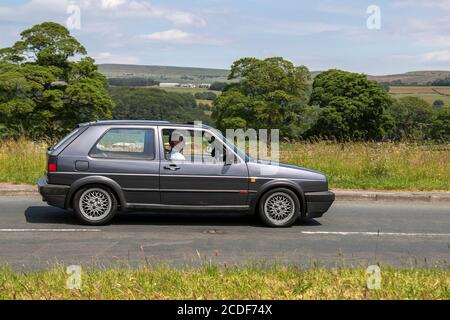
(414, 77)
(165, 73)
(205, 75)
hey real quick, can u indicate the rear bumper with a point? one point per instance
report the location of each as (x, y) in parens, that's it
(53, 194)
(318, 203)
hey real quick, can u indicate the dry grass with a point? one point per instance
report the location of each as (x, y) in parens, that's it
(386, 166)
(213, 282)
(22, 161)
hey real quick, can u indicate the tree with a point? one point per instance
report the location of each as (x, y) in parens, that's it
(132, 82)
(413, 117)
(218, 86)
(351, 106)
(441, 82)
(441, 125)
(155, 104)
(43, 93)
(438, 104)
(270, 94)
(205, 95)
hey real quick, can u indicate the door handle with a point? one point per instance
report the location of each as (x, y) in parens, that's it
(172, 167)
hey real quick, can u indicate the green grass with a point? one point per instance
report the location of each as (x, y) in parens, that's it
(428, 97)
(355, 165)
(384, 166)
(214, 282)
(424, 92)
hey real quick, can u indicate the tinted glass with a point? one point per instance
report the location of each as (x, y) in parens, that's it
(126, 144)
(66, 138)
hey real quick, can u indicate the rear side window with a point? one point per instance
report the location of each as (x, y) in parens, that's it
(126, 144)
(66, 139)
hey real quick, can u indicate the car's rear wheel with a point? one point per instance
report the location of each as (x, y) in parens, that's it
(279, 208)
(95, 205)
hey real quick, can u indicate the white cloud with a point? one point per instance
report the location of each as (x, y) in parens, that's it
(38, 10)
(108, 57)
(297, 28)
(173, 35)
(433, 32)
(341, 9)
(112, 3)
(437, 56)
(176, 36)
(439, 4)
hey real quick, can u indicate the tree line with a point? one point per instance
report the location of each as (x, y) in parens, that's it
(155, 104)
(399, 83)
(48, 84)
(275, 94)
(132, 82)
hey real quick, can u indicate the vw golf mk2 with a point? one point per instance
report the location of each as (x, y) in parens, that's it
(106, 166)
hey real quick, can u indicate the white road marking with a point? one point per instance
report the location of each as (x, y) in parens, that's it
(50, 230)
(400, 234)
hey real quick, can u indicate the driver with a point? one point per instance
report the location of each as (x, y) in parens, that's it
(177, 144)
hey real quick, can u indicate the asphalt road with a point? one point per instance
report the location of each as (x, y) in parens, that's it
(33, 235)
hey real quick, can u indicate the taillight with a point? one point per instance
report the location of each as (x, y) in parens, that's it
(51, 167)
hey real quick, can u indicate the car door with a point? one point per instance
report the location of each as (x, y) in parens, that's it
(200, 178)
(130, 157)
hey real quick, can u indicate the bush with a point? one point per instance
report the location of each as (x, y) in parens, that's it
(218, 86)
(207, 95)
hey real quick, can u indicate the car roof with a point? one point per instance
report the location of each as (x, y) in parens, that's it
(137, 122)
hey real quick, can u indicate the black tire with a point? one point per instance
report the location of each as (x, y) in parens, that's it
(282, 199)
(106, 201)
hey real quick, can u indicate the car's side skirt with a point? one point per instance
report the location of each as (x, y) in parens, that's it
(186, 207)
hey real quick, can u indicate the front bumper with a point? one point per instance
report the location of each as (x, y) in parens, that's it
(53, 194)
(318, 203)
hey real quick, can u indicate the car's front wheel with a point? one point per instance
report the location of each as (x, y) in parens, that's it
(279, 207)
(95, 205)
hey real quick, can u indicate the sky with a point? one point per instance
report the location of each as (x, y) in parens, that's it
(373, 37)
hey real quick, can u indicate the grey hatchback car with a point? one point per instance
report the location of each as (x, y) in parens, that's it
(106, 166)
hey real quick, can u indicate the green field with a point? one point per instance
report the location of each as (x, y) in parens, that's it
(358, 165)
(213, 282)
(427, 93)
(189, 90)
(430, 98)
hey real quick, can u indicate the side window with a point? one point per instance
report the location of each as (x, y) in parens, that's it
(126, 144)
(191, 145)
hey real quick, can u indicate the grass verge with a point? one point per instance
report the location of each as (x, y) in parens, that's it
(212, 282)
(22, 161)
(352, 165)
(383, 166)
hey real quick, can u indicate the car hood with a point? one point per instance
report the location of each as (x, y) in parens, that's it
(283, 170)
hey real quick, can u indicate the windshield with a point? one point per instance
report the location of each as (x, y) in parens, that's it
(232, 146)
